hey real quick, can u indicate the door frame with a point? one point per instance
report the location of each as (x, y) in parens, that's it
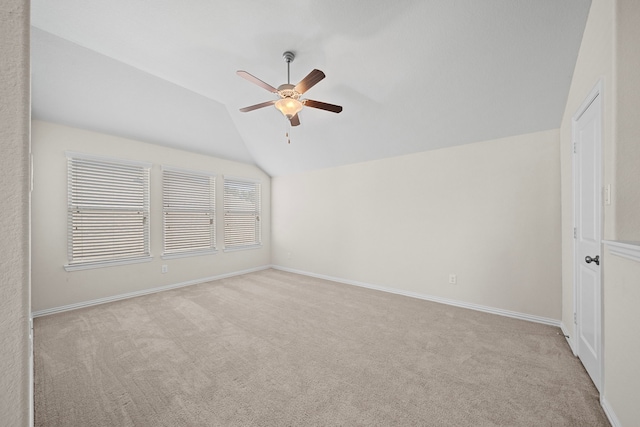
(595, 94)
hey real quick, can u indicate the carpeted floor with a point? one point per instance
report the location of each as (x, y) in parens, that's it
(277, 349)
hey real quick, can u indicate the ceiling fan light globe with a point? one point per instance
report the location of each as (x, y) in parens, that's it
(289, 106)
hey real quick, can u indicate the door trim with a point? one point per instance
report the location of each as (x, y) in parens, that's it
(596, 92)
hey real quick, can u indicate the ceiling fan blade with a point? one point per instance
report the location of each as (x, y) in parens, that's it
(253, 79)
(322, 105)
(308, 82)
(295, 120)
(255, 107)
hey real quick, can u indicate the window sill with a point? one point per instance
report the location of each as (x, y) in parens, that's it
(103, 264)
(242, 248)
(188, 254)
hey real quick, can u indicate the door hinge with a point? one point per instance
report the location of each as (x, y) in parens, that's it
(575, 147)
(575, 318)
(575, 233)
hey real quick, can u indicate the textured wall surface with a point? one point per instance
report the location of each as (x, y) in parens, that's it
(622, 276)
(14, 212)
(627, 123)
(622, 338)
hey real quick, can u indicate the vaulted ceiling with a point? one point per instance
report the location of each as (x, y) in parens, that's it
(412, 75)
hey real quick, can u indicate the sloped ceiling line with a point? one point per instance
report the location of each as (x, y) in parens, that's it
(411, 75)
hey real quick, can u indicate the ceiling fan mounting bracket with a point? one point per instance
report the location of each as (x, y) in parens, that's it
(289, 56)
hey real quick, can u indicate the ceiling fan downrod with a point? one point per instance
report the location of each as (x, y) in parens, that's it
(289, 57)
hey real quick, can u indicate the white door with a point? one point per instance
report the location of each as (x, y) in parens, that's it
(587, 138)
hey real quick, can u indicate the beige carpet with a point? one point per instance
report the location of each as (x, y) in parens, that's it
(277, 349)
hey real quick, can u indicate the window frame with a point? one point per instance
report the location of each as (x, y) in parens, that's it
(89, 206)
(211, 212)
(257, 213)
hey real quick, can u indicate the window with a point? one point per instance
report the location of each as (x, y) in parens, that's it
(188, 212)
(108, 211)
(241, 214)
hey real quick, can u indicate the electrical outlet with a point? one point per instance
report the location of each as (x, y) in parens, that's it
(453, 279)
(165, 269)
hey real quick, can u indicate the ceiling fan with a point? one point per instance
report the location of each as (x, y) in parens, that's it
(289, 102)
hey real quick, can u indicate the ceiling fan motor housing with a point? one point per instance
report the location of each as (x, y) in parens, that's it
(287, 91)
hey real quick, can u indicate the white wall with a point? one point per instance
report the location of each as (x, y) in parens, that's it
(609, 51)
(622, 337)
(14, 213)
(627, 162)
(622, 276)
(53, 287)
(488, 212)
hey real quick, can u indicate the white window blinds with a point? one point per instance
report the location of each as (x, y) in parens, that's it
(241, 213)
(188, 200)
(108, 210)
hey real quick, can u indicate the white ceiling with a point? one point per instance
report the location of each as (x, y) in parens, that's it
(412, 75)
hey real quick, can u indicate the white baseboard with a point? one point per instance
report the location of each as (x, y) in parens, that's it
(568, 338)
(32, 406)
(608, 410)
(456, 303)
(98, 301)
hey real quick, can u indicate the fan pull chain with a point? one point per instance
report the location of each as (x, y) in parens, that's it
(287, 132)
